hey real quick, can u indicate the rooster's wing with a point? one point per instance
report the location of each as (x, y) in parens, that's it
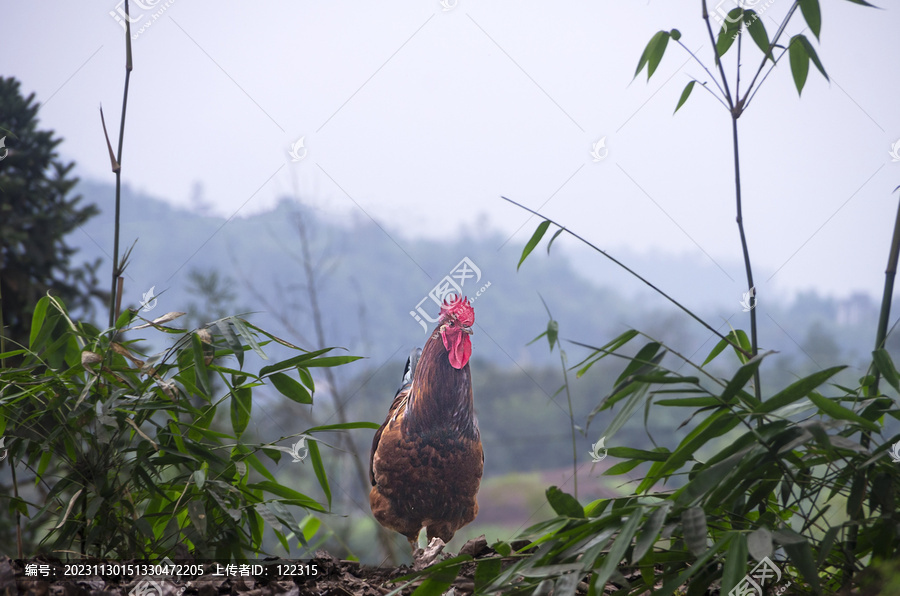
(397, 406)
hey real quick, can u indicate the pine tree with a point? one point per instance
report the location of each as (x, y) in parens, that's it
(36, 214)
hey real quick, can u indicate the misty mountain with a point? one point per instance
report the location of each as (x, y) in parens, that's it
(373, 285)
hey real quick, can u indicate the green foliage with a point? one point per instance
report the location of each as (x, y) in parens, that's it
(738, 20)
(772, 476)
(36, 214)
(125, 446)
(801, 52)
(791, 474)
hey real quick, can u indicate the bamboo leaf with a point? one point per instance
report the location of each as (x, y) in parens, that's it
(650, 531)
(437, 583)
(290, 388)
(653, 52)
(736, 385)
(812, 14)
(646, 360)
(685, 94)
(623, 467)
(258, 466)
(693, 522)
(291, 362)
(638, 392)
(535, 239)
(245, 333)
(811, 51)
(709, 478)
(690, 402)
(758, 32)
(735, 563)
(169, 316)
(658, 48)
(316, 458)
(197, 513)
(612, 346)
(618, 548)
(241, 403)
(885, 366)
(68, 508)
(800, 554)
(839, 412)
(200, 475)
(552, 333)
(723, 343)
(268, 516)
(291, 496)
(730, 31)
(485, 572)
(329, 361)
(759, 543)
(632, 453)
(549, 244)
(799, 62)
(564, 504)
(797, 390)
(37, 319)
(114, 165)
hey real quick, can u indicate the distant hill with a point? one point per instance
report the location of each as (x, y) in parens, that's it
(370, 277)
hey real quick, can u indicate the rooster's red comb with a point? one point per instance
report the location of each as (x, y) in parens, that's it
(461, 307)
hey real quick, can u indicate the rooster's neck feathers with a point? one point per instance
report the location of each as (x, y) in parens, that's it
(440, 398)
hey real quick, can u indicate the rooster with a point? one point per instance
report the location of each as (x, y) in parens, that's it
(427, 460)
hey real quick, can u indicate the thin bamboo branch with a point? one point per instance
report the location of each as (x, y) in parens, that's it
(117, 168)
(634, 273)
(703, 66)
(712, 40)
(772, 45)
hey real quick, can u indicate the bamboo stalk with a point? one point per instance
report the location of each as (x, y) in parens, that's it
(890, 273)
(117, 168)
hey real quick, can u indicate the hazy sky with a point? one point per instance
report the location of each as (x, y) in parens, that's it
(421, 115)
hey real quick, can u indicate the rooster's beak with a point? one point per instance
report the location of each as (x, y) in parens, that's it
(467, 330)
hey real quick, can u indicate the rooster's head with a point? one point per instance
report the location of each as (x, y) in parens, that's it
(457, 318)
